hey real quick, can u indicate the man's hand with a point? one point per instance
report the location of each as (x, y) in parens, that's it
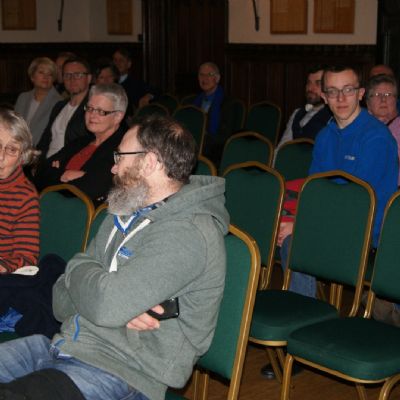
(145, 100)
(55, 164)
(285, 229)
(70, 175)
(145, 322)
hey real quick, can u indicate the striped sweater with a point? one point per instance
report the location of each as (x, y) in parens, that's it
(19, 222)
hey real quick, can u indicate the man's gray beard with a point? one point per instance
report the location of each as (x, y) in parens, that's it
(124, 199)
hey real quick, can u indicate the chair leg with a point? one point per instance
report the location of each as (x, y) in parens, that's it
(201, 381)
(387, 387)
(362, 395)
(274, 364)
(287, 373)
(281, 356)
(321, 291)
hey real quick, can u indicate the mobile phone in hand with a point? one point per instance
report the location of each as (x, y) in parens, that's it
(171, 309)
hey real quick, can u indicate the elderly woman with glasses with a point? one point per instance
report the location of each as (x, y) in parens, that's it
(381, 98)
(36, 105)
(19, 202)
(86, 162)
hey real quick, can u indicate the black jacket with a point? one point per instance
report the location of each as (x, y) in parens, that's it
(76, 127)
(97, 180)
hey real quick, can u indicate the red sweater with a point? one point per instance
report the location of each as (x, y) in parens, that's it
(291, 196)
(19, 222)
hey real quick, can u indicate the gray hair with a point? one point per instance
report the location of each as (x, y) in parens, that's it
(213, 66)
(19, 131)
(376, 80)
(43, 61)
(114, 92)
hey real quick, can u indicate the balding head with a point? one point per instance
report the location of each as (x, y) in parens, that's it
(380, 69)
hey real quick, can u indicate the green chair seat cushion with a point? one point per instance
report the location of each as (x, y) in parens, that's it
(279, 312)
(171, 395)
(359, 347)
(6, 336)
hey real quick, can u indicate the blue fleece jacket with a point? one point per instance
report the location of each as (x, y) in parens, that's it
(365, 149)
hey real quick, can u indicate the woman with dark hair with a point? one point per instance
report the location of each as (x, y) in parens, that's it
(106, 73)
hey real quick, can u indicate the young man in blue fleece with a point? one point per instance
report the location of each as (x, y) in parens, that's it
(163, 239)
(355, 142)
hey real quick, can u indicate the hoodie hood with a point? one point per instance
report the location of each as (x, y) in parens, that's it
(202, 195)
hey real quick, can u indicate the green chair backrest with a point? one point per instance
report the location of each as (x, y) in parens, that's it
(205, 166)
(99, 215)
(264, 118)
(169, 101)
(151, 109)
(188, 100)
(254, 197)
(227, 351)
(386, 275)
(194, 120)
(64, 221)
(239, 114)
(332, 231)
(294, 158)
(246, 146)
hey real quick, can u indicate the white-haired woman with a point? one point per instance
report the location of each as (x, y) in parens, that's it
(35, 105)
(19, 202)
(86, 162)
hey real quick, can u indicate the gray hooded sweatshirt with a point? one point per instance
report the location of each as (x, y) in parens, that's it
(177, 251)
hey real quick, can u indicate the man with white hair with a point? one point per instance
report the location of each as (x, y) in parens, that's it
(219, 108)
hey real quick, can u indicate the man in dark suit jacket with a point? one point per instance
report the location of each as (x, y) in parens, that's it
(67, 122)
(138, 92)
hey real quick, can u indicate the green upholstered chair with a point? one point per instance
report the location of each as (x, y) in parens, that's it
(246, 146)
(188, 100)
(226, 355)
(205, 166)
(264, 118)
(6, 336)
(239, 114)
(194, 119)
(99, 215)
(151, 109)
(64, 220)
(330, 241)
(360, 350)
(169, 101)
(254, 197)
(294, 158)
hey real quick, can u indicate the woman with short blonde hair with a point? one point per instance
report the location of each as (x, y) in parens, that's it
(35, 105)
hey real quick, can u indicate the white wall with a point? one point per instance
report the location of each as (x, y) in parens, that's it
(83, 21)
(242, 30)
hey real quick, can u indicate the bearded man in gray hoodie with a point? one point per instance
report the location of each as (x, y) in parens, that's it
(162, 240)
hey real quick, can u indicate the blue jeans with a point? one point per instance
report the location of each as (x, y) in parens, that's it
(22, 356)
(299, 283)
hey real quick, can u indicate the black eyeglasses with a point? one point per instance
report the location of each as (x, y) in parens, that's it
(99, 111)
(74, 75)
(347, 91)
(119, 154)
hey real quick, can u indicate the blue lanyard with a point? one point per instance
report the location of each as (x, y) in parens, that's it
(125, 227)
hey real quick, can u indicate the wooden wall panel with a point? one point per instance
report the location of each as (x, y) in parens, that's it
(16, 57)
(250, 72)
(278, 72)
